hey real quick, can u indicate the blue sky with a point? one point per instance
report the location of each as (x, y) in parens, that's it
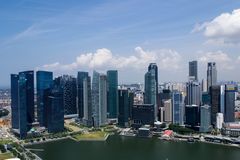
(69, 36)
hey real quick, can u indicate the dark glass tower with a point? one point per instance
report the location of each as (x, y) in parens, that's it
(22, 104)
(29, 76)
(44, 82)
(229, 103)
(112, 79)
(125, 106)
(215, 102)
(69, 95)
(14, 101)
(193, 70)
(55, 110)
(151, 87)
(177, 108)
(80, 96)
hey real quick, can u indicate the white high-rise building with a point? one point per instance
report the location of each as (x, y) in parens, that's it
(168, 110)
(219, 120)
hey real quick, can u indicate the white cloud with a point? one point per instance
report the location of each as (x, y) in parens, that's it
(104, 59)
(224, 28)
(222, 59)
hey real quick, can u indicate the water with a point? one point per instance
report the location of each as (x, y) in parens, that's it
(130, 148)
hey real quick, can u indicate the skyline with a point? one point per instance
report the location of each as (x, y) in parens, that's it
(66, 38)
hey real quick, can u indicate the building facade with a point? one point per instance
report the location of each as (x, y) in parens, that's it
(112, 79)
(44, 81)
(211, 74)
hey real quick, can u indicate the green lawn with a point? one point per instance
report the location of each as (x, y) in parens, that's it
(6, 156)
(97, 135)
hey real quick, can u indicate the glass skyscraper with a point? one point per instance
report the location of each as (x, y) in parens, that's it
(99, 99)
(112, 79)
(193, 70)
(193, 90)
(29, 76)
(14, 101)
(151, 87)
(22, 104)
(229, 103)
(125, 98)
(215, 102)
(80, 96)
(87, 101)
(211, 74)
(69, 85)
(55, 110)
(177, 108)
(205, 118)
(44, 81)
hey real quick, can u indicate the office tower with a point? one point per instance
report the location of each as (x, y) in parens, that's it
(215, 102)
(192, 115)
(206, 99)
(23, 106)
(14, 101)
(124, 100)
(177, 108)
(151, 87)
(103, 99)
(29, 76)
(154, 68)
(193, 70)
(168, 111)
(112, 79)
(55, 109)
(80, 96)
(204, 85)
(87, 101)
(193, 95)
(143, 114)
(211, 74)
(69, 94)
(205, 118)
(222, 99)
(44, 81)
(165, 94)
(229, 103)
(99, 99)
(219, 120)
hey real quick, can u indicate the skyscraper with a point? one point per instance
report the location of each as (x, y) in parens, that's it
(151, 87)
(87, 101)
(55, 109)
(168, 111)
(192, 115)
(112, 79)
(229, 103)
(177, 108)
(44, 81)
(205, 118)
(124, 99)
(23, 107)
(211, 74)
(215, 102)
(193, 70)
(80, 96)
(193, 95)
(99, 99)
(22, 90)
(14, 101)
(69, 95)
(29, 76)
(222, 99)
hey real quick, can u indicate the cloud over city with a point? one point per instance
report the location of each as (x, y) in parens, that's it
(224, 28)
(103, 59)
